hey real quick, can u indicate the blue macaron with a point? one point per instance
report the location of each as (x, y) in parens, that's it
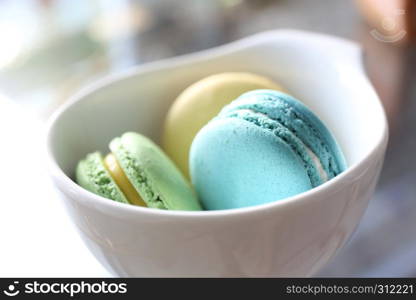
(263, 147)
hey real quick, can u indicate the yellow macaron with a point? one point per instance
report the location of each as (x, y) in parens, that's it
(199, 103)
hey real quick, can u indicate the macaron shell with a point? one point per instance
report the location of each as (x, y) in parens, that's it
(316, 174)
(235, 163)
(92, 175)
(153, 174)
(198, 104)
(299, 119)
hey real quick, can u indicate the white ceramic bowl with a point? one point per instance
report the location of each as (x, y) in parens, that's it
(291, 237)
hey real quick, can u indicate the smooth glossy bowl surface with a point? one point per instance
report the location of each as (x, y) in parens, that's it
(291, 237)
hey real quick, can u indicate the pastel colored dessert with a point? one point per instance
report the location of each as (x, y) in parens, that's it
(201, 102)
(136, 172)
(264, 146)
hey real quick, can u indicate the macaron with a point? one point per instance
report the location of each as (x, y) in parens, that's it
(137, 172)
(198, 104)
(263, 147)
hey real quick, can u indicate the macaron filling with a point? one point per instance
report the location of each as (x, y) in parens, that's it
(318, 165)
(118, 175)
(311, 162)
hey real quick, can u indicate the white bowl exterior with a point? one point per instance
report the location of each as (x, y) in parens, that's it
(291, 240)
(293, 237)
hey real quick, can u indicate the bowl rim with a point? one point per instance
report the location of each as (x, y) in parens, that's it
(92, 199)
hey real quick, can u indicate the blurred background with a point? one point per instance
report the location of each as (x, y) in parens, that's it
(51, 48)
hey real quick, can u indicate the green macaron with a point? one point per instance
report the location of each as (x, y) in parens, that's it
(136, 172)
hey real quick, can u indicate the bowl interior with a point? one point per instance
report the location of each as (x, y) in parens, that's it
(333, 86)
